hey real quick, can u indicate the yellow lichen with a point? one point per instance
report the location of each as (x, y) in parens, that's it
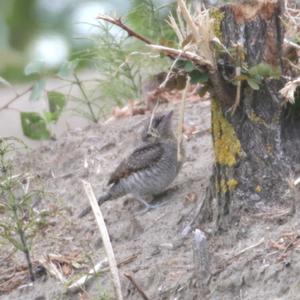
(232, 184)
(218, 16)
(228, 186)
(227, 146)
(258, 189)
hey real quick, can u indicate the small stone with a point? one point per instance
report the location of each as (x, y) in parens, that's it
(254, 197)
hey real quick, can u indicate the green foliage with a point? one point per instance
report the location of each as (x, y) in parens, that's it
(150, 20)
(264, 70)
(37, 90)
(34, 67)
(198, 77)
(256, 74)
(254, 84)
(68, 68)
(20, 222)
(57, 102)
(34, 126)
(188, 66)
(121, 79)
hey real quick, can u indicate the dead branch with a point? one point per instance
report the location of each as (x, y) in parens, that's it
(131, 279)
(17, 96)
(101, 267)
(196, 59)
(77, 285)
(120, 24)
(105, 238)
(170, 52)
(52, 269)
(181, 120)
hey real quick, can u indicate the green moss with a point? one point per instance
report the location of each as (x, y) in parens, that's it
(227, 146)
(218, 16)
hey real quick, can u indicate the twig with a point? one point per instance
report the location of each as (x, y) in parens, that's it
(181, 120)
(189, 20)
(101, 267)
(16, 98)
(187, 229)
(232, 259)
(164, 83)
(292, 44)
(198, 60)
(120, 24)
(170, 52)
(142, 293)
(78, 284)
(87, 100)
(288, 91)
(52, 269)
(105, 238)
(201, 263)
(248, 248)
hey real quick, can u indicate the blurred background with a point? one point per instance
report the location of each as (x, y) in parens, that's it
(50, 30)
(39, 37)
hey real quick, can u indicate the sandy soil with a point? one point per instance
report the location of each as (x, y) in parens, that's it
(258, 259)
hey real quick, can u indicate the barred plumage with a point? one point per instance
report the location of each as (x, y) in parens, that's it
(150, 168)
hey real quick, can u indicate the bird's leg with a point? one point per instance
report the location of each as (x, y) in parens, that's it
(145, 200)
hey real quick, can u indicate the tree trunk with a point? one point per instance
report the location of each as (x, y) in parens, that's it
(256, 147)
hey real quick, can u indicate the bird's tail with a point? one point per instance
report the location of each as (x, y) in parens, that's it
(101, 200)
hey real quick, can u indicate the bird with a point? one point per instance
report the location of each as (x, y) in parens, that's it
(150, 168)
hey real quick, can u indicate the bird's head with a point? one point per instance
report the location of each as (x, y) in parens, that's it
(160, 126)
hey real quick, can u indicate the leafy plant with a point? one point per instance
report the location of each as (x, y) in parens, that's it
(120, 61)
(121, 78)
(149, 19)
(36, 125)
(20, 222)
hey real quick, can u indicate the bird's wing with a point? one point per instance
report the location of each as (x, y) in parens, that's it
(139, 159)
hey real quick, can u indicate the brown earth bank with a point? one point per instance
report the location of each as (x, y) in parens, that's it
(259, 258)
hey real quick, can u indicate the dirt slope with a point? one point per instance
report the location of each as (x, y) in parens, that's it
(161, 263)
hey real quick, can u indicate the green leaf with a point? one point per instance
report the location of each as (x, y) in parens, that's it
(253, 83)
(37, 90)
(189, 67)
(57, 102)
(49, 116)
(198, 77)
(265, 71)
(34, 126)
(4, 82)
(68, 68)
(34, 67)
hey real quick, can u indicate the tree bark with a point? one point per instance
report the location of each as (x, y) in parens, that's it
(256, 147)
